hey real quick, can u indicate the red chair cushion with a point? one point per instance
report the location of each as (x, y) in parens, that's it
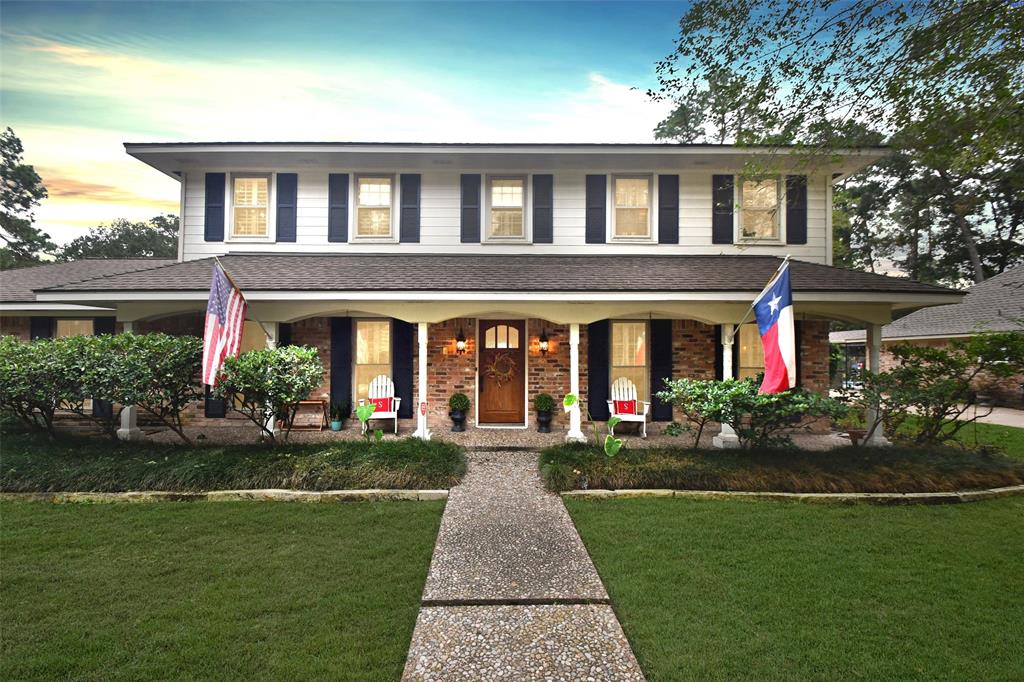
(625, 406)
(382, 404)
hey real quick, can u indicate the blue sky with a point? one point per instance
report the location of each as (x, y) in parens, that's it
(78, 79)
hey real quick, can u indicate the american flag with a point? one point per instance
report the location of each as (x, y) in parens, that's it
(225, 313)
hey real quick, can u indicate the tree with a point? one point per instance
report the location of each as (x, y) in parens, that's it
(21, 190)
(157, 238)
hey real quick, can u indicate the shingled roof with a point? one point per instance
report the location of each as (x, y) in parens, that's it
(485, 273)
(18, 286)
(995, 305)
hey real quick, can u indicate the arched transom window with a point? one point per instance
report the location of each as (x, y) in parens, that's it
(501, 336)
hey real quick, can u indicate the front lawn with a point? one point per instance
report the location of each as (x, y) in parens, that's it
(31, 463)
(771, 590)
(225, 591)
(849, 469)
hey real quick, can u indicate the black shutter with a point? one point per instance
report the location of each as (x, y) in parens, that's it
(287, 205)
(341, 360)
(796, 209)
(797, 340)
(409, 212)
(598, 356)
(214, 408)
(213, 222)
(40, 327)
(102, 325)
(719, 369)
(723, 201)
(543, 209)
(470, 216)
(668, 209)
(284, 334)
(597, 220)
(402, 335)
(337, 207)
(661, 367)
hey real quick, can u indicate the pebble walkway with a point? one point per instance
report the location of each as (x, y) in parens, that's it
(512, 593)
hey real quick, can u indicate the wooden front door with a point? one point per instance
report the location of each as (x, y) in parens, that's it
(502, 371)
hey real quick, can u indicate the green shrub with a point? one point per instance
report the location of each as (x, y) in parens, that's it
(542, 402)
(267, 383)
(36, 380)
(458, 402)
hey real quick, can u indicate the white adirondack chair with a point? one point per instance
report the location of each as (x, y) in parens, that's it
(624, 390)
(383, 387)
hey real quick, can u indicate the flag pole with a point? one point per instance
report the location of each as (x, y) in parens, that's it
(736, 328)
(239, 289)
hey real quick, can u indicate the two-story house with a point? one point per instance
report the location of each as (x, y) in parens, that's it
(498, 270)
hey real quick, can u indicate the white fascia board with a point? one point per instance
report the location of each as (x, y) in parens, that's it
(52, 307)
(427, 296)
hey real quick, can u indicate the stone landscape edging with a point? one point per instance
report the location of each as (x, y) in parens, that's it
(263, 495)
(820, 498)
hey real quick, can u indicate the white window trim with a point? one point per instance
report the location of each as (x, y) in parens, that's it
(527, 237)
(354, 235)
(652, 201)
(229, 201)
(355, 355)
(737, 222)
(647, 351)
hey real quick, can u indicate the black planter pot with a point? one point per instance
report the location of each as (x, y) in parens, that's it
(458, 420)
(544, 422)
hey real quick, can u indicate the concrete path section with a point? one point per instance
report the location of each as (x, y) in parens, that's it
(512, 593)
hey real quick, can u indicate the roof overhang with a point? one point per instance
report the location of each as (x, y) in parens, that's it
(174, 158)
(52, 308)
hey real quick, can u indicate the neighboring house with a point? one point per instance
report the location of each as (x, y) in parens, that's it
(503, 270)
(995, 305)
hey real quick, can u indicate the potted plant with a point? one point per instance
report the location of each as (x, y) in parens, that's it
(338, 413)
(543, 405)
(853, 423)
(457, 406)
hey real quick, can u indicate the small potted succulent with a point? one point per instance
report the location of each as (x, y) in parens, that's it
(457, 406)
(339, 411)
(543, 405)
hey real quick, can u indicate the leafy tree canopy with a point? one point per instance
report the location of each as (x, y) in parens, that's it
(21, 190)
(157, 238)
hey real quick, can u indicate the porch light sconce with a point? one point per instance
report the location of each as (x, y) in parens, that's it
(544, 342)
(460, 343)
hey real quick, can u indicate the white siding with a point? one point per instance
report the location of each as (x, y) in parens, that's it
(439, 220)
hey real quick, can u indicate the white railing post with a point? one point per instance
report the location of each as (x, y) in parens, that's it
(575, 421)
(874, 356)
(422, 432)
(130, 413)
(727, 437)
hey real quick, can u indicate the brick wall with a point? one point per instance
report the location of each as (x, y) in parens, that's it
(316, 332)
(813, 351)
(448, 371)
(18, 326)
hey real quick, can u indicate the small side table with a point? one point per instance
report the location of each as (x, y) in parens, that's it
(321, 407)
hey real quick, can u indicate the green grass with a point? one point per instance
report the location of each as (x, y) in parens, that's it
(730, 590)
(213, 591)
(1009, 439)
(849, 469)
(30, 463)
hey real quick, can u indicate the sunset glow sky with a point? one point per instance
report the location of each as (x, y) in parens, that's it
(79, 79)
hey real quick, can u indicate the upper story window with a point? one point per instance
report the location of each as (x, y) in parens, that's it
(759, 209)
(632, 216)
(508, 208)
(373, 206)
(250, 199)
(629, 355)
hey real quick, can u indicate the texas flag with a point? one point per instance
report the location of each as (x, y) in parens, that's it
(774, 311)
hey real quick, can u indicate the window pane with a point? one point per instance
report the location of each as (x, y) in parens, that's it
(629, 343)
(638, 375)
(506, 222)
(374, 222)
(251, 192)
(507, 193)
(253, 336)
(489, 338)
(760, 213)
(74, 328)
(373, 342)
(374, 192)
(367, 373)
(751, 354)
(250, 221)
(631, 222)
(250, 207)
(631, 192)
(513, 337)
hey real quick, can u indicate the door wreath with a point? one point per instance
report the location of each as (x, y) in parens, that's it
(501, 369)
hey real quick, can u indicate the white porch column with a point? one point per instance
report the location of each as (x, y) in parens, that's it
(422, 432)
(874, 354)
(272, 330)
(130, 414)
(575, 422)
(727, 437)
